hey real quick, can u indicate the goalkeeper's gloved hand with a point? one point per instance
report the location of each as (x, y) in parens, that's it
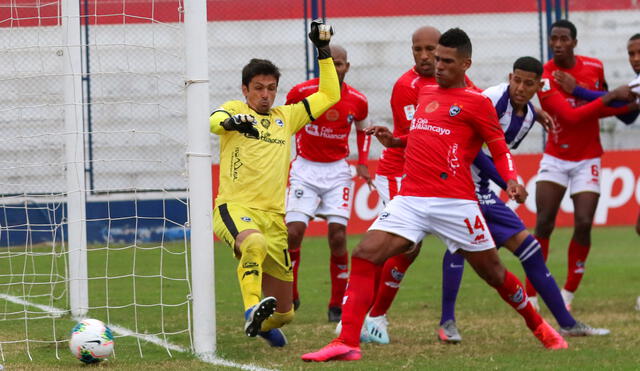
(242, 123)
(320, 35)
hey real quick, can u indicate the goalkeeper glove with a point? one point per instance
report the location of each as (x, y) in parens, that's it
(242, 123)
(320, 35)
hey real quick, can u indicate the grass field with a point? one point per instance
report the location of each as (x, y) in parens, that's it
(494, 337)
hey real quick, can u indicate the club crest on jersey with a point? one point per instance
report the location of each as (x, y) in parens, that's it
(245, 219)
(454, 110)
(279, 123)
(350, 118)
(265, 123)
(432, 106)
(332, 115)
(298, 193)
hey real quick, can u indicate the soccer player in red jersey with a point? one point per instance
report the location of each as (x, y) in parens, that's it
(404, 98)
(321, 183)
(572, 155)
(438, 197)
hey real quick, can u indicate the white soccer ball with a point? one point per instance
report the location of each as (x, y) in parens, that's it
(91, 341)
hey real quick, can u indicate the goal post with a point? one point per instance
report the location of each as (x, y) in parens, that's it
(75, 159)
(200, 183)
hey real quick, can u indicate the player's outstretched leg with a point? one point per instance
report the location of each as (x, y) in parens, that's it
(489, 267)
(375, 247)
(358, 299)
(530, 255)
(452, 270)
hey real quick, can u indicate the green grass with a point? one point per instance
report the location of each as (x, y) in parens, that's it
(494, 337)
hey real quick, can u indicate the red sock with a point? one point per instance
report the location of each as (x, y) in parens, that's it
(512, 292)
(339, 270)
(294, 255)
(576, 264)
(357, 300)
(544, 244)
(387, 287)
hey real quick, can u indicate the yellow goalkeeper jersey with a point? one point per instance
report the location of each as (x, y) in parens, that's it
(254, 172)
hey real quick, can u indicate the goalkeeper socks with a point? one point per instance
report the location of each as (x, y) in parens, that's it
(357, 300)
(388, 284)
(294, 255)
(576, 264)
(452, 269)
(254, 250)
(530, 255)
(277, 320)
(513, 293)
(339, 271)
(544, 244)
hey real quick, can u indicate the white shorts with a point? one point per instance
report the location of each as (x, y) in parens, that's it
(322, 189)
(458, 223)
(578, 176)
(387, 187)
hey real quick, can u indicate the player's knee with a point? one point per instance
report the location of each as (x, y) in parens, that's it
(337, 237)
(583, 223)
(254, 244)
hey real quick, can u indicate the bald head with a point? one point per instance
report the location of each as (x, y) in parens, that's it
(339, 55)
(338, 51)
(425, 32)
(423, 44)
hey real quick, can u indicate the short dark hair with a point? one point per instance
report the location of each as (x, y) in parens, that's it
(563, 23)
(458, 39)
(259, 67)
(635, 37)
(529, 64)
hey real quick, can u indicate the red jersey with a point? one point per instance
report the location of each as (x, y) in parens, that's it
(447, 131)
(404, 98)
(573, 141)
(326, 139)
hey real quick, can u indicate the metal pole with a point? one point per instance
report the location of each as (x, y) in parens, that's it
(74, 154)
(200, 184)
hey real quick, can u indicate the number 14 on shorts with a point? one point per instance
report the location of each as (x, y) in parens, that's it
(477, 226)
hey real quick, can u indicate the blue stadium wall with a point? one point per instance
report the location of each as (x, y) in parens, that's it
(119, 222)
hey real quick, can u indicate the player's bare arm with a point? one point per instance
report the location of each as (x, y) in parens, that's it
(545, 119)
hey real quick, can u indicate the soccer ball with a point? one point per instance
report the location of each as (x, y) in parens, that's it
(91, 341)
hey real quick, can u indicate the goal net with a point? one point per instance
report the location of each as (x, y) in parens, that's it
(94, 175)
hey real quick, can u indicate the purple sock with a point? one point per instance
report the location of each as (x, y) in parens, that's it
(530, 256)
(452, 269)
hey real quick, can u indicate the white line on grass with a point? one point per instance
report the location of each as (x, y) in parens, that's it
(123, 331)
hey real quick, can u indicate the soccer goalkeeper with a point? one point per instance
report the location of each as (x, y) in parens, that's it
(254, 164)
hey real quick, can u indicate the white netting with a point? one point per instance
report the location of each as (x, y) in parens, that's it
(135, 138)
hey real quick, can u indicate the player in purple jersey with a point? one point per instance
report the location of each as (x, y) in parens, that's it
(516, 115)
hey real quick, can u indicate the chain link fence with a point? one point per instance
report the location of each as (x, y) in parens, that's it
(134, 69)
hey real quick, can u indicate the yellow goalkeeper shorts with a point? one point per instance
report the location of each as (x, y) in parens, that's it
(230, 219)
